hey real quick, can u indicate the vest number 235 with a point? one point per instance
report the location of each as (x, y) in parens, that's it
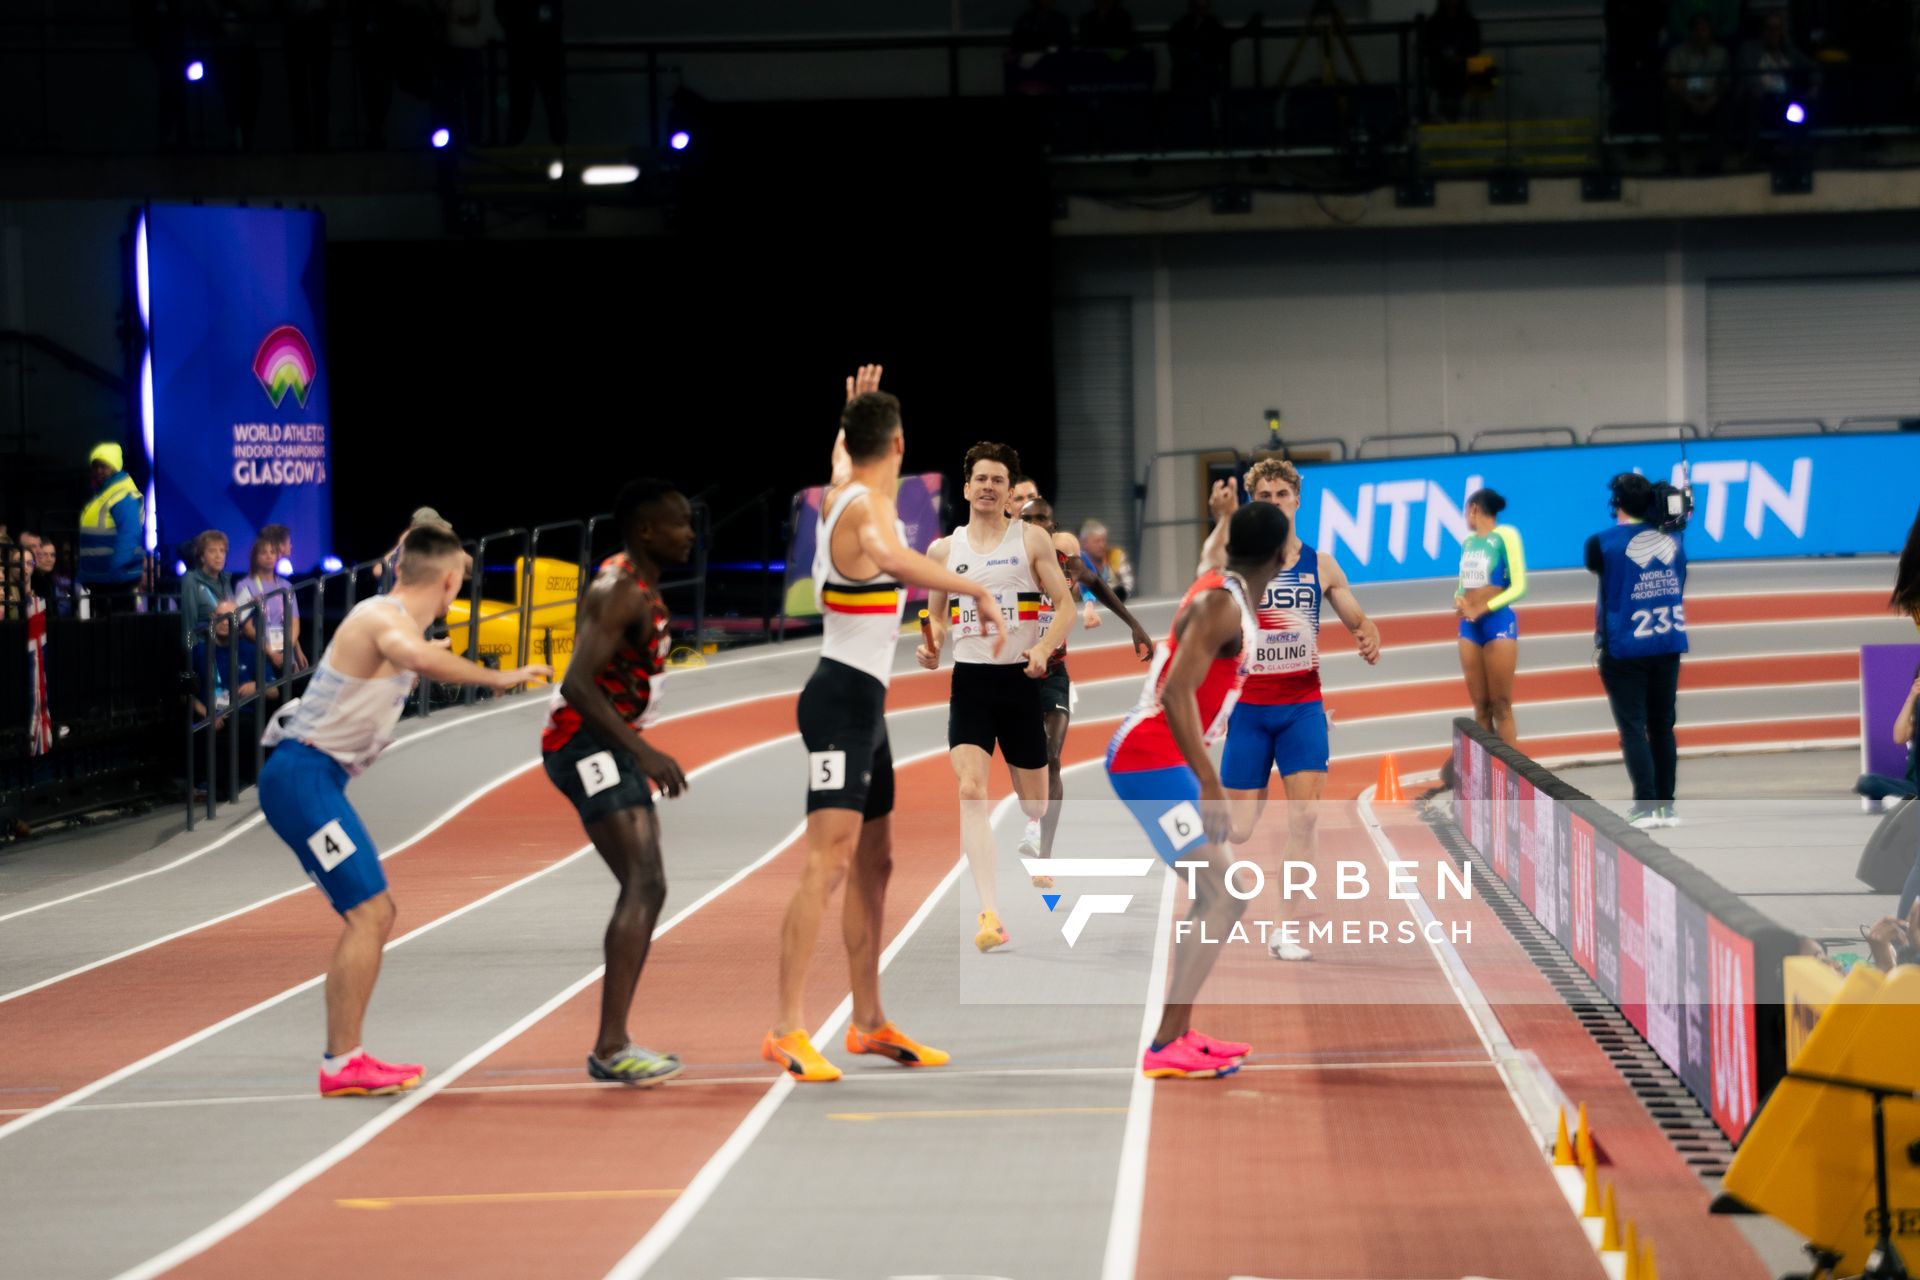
(1657, 622)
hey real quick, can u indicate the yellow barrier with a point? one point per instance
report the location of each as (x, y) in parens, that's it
(1808, 1159)
(554, 581)
(1811, 985)
(500, 635)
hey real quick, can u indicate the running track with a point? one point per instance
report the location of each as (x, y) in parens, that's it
(152, 1100)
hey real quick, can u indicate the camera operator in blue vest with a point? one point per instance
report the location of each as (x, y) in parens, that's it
(1640, 625)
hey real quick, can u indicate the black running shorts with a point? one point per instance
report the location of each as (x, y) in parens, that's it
(998, 703)
(1056, 692)
(599, 780)
(843, 721)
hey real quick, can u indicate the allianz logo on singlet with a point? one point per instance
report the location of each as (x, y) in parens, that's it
(1007, 560)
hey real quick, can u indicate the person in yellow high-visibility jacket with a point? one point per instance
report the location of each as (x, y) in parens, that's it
(112, 562)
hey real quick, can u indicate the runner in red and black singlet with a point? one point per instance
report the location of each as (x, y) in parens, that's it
(595, 754)
(627, 679)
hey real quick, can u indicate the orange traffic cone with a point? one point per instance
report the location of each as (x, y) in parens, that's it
(1387, 789)
(1633, 1251)
(1562, 1149)
(1609, 1223)
(1648, 1270)
(1590, 1205)
(1583, 1136)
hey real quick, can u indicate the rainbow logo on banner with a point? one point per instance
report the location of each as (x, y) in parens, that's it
(285, 363)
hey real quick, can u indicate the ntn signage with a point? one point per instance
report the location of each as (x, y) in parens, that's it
(1820, 495)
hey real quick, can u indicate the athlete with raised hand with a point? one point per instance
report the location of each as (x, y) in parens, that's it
(1281, 720)
(861, 565)
(1160, 768)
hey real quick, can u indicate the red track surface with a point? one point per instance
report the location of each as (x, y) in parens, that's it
(1398, 1173)
(1348, 1192)
(707, 994)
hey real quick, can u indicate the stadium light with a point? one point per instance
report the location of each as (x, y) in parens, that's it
(680, 140)
(609, 175)
(331, 564)
(1796, 114)
(441, 137)
(556, 171)
(196, 71)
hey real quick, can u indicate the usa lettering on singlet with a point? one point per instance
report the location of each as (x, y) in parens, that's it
(1144, 739)
(628, 679)
(1007, 573)
(1285, 666)
(860, 624)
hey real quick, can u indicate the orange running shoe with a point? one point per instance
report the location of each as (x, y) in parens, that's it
(796, 1055)
(889, 1041)
(992, 933)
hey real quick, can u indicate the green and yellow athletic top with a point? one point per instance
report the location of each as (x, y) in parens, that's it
(1494, 559)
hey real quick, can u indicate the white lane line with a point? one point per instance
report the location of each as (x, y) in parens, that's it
(253, 820)
(204, 1239)
(451, 813)
(687, 1205)
(760, 1080)
(68, 1100)
(207, 1237)
(1130, 1181)
(404, 845)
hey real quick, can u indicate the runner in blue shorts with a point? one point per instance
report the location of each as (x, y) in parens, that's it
(1281, 721)
(334, 732)
(1493, 575)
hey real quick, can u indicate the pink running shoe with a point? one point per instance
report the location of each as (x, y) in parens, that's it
(364, 1075)
(1183, 1060)
(1218, 1048)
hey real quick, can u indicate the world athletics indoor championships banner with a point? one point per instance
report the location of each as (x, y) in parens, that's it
(1398, 518)
(234, 305)
(918, 501)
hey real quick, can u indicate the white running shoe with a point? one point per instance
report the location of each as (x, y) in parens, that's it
(1280, 949)
(1030, 840)
(1667, 817)
(1645, 819)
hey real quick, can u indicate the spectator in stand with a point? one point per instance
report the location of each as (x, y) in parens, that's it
(1723, 18)
(1448, 37)
(281, 539)
(1697, 86)
(1041, 29)
(536, 63)
(112, 564)
(160, 28)
(307, 40)
(383, 572)
(206, 585)
(467, 27)
(34, 582)
(1903, 731)
(56, 588)
(13, 583)
(1107, 26)
(1773, 74)
(1636, 51)
(1109, 564)
(1895, 940)
(370, 34)
(270, 619)
(224, 673)
(236, 68)
(1201, 49)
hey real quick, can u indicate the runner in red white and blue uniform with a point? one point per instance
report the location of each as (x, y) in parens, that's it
(1159, 767)
(1281, 722)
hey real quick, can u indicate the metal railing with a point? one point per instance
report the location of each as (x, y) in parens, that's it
(1542, 435)
(1875, 422)
(1768, 427)
(1643, 431)
(1394, 438)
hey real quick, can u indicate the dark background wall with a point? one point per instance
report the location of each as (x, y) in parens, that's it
(515, 382)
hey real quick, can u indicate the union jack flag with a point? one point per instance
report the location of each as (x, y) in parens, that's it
(40, 724)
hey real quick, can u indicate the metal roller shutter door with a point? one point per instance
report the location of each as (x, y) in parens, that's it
(1093, 391)
(1827, 348)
